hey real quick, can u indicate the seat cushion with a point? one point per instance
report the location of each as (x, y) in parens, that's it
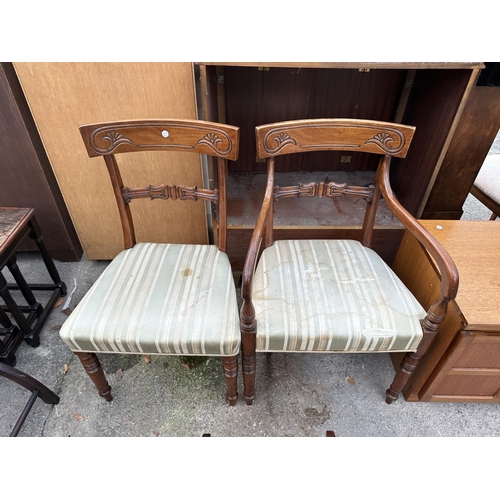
(332, 295)
(488, 178)
(159, 299)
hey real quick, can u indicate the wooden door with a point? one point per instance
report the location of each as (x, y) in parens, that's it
(63, 96)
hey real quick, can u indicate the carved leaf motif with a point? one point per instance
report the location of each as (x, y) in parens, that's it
(383, 139)
(112, 138)
(216, 144)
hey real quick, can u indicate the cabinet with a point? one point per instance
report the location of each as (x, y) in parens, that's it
(27, 179)
(463, 362)
(430, 96)
(62, 96)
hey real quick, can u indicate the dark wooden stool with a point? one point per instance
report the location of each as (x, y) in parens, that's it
(15, 225)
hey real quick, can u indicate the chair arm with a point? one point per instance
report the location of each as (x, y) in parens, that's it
(257, 235)
(447, 268)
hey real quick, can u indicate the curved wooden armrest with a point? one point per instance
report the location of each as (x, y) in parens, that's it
(447, 268)
(257, 235)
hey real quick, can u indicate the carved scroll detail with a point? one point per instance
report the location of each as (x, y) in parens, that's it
(383, 139)
(330, 190)
(281, 139)
(166, 192)
(112, 138)
(216, 144)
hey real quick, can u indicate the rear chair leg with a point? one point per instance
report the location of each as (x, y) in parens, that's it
(95, 372)
(230, 368)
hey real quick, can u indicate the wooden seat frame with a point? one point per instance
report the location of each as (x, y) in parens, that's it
(194, 136)
(488, 202)
(381, 138)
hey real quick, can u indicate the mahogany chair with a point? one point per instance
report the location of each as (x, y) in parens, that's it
(335, 295)
(161, 298)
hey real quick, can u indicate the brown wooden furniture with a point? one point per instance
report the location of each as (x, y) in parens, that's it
(160, 298)
(63, 95)
(16, 224)
(317, 296)
(463, 362)
(27, 178)
(430, 96)
(472, 140)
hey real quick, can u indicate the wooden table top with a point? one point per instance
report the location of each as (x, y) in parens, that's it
(475, 248)
(10, 220)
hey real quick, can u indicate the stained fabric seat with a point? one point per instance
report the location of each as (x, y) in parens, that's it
(338, 294)
(162, 298)
(332, 296)
(159, 299)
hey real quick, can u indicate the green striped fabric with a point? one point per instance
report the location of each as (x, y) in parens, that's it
(332, 295)
(159, 299)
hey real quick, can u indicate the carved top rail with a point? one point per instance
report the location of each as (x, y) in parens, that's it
(334, 134)
(330, 190)
(175, 135)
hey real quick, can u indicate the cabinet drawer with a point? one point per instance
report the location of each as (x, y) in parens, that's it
(469, 372)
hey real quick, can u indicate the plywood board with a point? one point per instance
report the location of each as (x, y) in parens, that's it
(63, 96)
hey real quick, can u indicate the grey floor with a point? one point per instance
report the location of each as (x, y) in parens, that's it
(298, 395)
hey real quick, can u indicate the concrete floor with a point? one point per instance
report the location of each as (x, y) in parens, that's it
(297, 395)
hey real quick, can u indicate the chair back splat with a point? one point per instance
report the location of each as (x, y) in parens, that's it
(196, 136)
(335, 295)
(161, 298)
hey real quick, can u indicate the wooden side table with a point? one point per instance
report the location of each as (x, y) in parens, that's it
(463, 362)
(15, 225)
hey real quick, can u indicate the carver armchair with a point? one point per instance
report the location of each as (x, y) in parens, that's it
(335, 295)
(161, 298)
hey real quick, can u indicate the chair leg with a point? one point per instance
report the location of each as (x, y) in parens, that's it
(405, 369)
(249, 362)
(230, 367)
(95, 372)
(248, 347)
(430, 327)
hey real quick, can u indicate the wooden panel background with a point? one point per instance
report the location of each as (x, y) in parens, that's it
(280, 94)
(63, 96)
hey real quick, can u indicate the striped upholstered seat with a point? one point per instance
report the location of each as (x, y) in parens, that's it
(335, 295)
(159, 299)
(169, 298)
(332, 295)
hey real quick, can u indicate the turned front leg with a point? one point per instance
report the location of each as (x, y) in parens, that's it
(96, 373)
(230, 368)
(430, 327)
(248, 350)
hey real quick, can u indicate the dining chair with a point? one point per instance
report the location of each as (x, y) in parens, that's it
(161, 298)
(486, 187)
(336, 295)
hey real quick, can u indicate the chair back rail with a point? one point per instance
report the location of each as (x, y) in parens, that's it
(300, 136)
(189, 136)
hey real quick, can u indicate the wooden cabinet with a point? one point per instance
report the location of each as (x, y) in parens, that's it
(463, 362)
(475, 133)
(63, 96)
(26, 176)
(430, 96)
